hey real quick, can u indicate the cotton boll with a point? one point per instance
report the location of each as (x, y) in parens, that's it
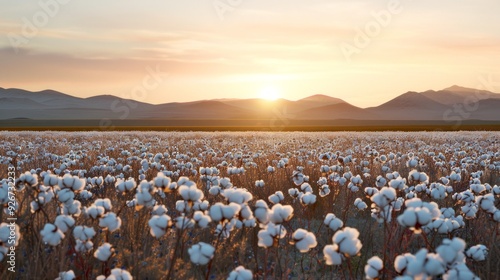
(348, 242)
(304, 240)
(51, 234)
(190, 193)
(293, 192)
(239, 196)
(451, 251)
(215, 190)
(104, 203)
(486, 202)
(83, 246)
(433, 265)
(240, 273)
(94, 211)
(373, 267)
(201, 253)
(159, 210)
(308, 199)
(183, 222)
(201, 219)
(460, 272)
(66, 275)
(360, 204)
(5, 234)
(384, 197)
(125, 185)
(333, 222)
(477, 253)
(269, 233)
(104, 252)
(324, 190)
(27, 179)
(277, 197)
(119, 274)
(369, 191)
(65, 195)
(280, 213)
(110, 222)
(331, 255)
(64, 222)
(469, 210)
(261, 212)
(71, 182)
(401, 262)
(398, 183)
(448, 212)
(50, 180)
(83, 233)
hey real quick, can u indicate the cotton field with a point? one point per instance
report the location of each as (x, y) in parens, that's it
(255, 205)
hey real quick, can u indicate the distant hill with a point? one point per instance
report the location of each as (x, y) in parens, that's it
(425, 106)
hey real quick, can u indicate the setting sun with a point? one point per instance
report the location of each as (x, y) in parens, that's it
(270, 93)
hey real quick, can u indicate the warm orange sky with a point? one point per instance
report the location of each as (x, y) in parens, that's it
(288, 48)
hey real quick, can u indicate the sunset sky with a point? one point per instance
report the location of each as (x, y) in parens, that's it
(288, 48)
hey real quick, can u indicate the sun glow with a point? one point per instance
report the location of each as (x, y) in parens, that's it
(270, 93)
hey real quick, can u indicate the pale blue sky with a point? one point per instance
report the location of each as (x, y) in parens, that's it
(104, 47)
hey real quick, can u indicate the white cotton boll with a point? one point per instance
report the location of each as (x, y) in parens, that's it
(308, 199)
(261, 212)
(104, 252)
(269, 233)
(401, 262)
(182, 206)
(64, 222)
(331, 255)
(448, 212)
(433, 265)
(306, 188)
(190, 193)
(110, 222)
(398, 183)
(71, 182)
(259, 183)
(380, 181)
(333, 222)
(398, 203)
(201, 205)
(125, 186)
(214, 190)
(280, 213)
(238, 195)
(65, 195)
(477, 188)
(159, 210)
(83, 246)
(304, 240)
(451, 251)
(94, 211)
(250, 223)
(293, 192)
(201, 253)
(495, 190)
(83, 233)
(486, 202)
(245, 212)
(276, 198)
(360, 204)
(50, 180)
(104, 203)
(27, 179)
(369, 191)
(183, 222)
(119, 274)
(271, 169)
(5, 234)
(66, 275)
(460, 272)
(384, 197)
(373, 267)
(352, 187)
(477, 253)
(342, 181)
(51, 234)
(469, 210)
(240, 273)
(86, 194)
(324, 190)
(201, 219)
(416, 266)
(348, 242)
(159, 225)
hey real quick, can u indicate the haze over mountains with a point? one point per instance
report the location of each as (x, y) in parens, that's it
(446, 104)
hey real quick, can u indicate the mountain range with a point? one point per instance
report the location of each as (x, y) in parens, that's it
(446, 104)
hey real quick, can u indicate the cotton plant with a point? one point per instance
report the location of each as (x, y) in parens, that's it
(418, 214)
